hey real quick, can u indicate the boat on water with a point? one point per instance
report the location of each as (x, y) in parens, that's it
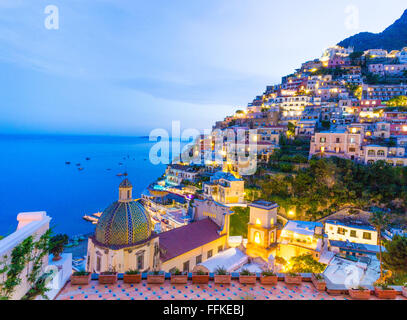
(78, 164)
(88, 158)
(67, 162)
(119, 174)
(97, 214)
(80, 169)
(92, 219)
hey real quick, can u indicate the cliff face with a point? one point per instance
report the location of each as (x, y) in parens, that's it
(392, 38)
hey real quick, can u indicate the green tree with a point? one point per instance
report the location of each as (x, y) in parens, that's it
(399, 101)
(380, 220)
(395, 256)
(238, 221)
(306, 263)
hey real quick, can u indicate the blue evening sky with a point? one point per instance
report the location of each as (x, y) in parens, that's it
(127, 66)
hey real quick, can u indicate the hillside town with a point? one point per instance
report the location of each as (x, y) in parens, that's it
(314, 210)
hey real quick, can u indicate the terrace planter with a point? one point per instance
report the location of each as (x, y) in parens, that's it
(359, 294)
(268, 280)
(155, 278)
(179, 278)
(85, 279)
(132, 278)
(293, 279)
(385, 294)
(405, 292)
(200, 278)
(107, 278)
(318, 284)
(247, 279)
(223, 278)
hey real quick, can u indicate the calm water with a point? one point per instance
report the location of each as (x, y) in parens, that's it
(34, 176)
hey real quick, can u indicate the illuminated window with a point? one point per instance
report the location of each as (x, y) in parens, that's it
(258, 222)
(257, 237)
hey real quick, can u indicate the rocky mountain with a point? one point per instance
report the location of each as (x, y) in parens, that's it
(392, 38)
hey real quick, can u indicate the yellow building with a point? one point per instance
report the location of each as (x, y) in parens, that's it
(300, 237)
(262, 229)
(225, 188)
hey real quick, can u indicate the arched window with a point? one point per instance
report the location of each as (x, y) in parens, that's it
(380, 153)
(257, 237)
(371, 153)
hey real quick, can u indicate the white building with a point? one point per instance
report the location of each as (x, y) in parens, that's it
(355, 231)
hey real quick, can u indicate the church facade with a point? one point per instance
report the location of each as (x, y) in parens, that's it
(124, 239)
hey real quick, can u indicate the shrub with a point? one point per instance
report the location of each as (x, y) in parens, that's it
(245, 272)
(268, 273)
(81, 273)
(132, 271)
(57, 243)
(318, 276)
(201, 273)
(176, 272)
(221, 271)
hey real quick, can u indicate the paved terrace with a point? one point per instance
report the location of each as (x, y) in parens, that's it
(168, 291)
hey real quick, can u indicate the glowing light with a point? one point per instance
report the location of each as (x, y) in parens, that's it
(258, 222)
(257, 237)
(291, 213)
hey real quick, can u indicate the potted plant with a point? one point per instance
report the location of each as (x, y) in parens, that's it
(359, 293)
(293, 278)
(108, 277)
(222, 276)
(268, 277)
(383, 291)
(80, 277)
(318, 281)
(132, 276)
(56, 245)
(247, 277)
(405, 290)
(200, 277)
(156, 277)
(178, 277)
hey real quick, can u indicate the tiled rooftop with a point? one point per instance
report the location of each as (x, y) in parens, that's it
(167, 291)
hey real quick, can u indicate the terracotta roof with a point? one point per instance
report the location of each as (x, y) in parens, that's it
(183, 239)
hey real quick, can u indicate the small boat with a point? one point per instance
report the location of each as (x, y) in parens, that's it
(120, 164)
(67, 162)
(80, 169)
(119, 174)
(87, 158)
(78, 164)
(94, 220)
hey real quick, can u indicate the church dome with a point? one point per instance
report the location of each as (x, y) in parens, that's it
(124, 222)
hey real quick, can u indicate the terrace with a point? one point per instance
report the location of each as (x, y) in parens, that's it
(189, 291)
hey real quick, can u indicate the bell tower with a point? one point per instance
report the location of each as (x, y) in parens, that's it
(262, 229)
(125, 190)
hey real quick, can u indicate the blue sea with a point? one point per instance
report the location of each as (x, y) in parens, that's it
(34, 176)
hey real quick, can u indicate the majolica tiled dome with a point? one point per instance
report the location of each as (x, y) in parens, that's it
(123, 223)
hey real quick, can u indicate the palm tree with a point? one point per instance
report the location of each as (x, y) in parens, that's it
(380, 220)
